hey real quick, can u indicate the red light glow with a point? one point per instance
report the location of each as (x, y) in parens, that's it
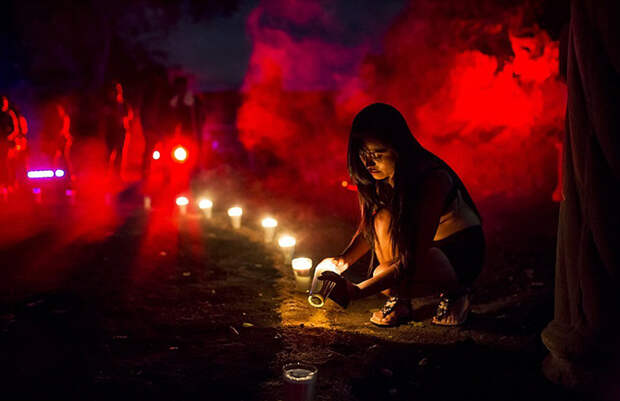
(180, 154)
(487, 95)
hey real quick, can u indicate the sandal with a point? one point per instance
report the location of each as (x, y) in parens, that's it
(447, 303)
(395, 311)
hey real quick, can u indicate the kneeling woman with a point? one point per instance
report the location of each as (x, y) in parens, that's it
(418, 218)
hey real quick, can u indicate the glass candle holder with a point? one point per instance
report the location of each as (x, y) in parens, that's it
(182, 203)
(206, 205)
(320, 289)
(235, 214)
(287, 244)
(302, 269)
(269, 224)
(299, 381)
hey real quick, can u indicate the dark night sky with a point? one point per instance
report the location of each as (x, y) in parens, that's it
(209, 41)
(217, 52)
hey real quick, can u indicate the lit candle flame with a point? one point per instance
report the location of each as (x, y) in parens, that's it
(269, 222)
(235, 211)
(182, 201)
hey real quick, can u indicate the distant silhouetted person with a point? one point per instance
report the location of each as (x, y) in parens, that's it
(417, 218)
(63, 141)
(7, 126)
(183, 109)
(584, 337)
(182, 106)
(17, 142)
(154, 97)
(115, 119)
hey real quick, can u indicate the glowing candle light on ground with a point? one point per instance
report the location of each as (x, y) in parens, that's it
(147, 203)
(206, 205)
(269, 224)
(302, 268)
(235, 214)
(287, 243)
(182, 203)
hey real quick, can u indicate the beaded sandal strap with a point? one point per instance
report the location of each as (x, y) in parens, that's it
(389, 306)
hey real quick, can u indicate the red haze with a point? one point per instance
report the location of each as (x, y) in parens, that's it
(480, 89)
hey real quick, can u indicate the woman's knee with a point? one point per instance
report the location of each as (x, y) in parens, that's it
(380, 269)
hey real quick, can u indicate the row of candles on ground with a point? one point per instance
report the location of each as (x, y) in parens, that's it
(302, 266)
(286, 242)
(299, 378)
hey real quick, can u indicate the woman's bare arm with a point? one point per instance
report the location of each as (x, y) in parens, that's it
(357, 248)
(436, 188)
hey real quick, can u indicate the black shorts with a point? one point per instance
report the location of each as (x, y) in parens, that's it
(465, 250)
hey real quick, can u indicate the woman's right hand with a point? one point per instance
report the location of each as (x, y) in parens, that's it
(338, 261)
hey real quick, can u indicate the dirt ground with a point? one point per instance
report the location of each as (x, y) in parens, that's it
(158, 306)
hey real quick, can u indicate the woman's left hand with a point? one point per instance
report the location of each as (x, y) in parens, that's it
(344, 291)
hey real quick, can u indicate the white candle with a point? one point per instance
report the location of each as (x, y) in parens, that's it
(287, 243)
(206, 205)
(302, 267)
(182, 203)
(235, 214)
(269, 224)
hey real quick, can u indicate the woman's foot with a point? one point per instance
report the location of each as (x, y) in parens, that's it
(452, 309)
(394, 312)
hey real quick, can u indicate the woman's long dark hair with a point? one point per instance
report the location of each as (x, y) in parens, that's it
(385, 124)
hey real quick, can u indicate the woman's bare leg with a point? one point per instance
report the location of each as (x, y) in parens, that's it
(383, 245)
(432, 276)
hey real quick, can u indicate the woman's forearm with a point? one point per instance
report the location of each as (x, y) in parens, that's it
(384, 279)
(357, 248)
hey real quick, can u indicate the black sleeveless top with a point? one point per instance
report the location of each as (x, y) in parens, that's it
(457, 185)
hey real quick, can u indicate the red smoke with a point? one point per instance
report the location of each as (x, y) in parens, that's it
(478, 88)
